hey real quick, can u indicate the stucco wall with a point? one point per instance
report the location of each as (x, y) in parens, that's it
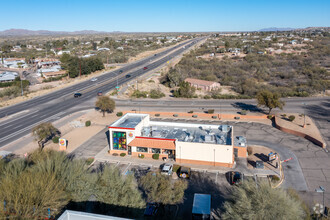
(204, 152)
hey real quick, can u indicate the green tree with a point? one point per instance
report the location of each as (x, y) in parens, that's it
(249, 202)
(160, 189)
(114, 189)
(270, 100)
(185, 90)
(44, 132)
(104, 103)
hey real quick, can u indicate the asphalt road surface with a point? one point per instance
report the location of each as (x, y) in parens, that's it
(26, 115)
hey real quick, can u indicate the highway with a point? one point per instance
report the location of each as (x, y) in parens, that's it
(19, 119)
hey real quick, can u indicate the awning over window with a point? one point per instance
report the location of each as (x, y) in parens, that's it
(153, 143)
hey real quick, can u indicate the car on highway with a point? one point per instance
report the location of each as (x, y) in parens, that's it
(93, 79)
(128, 76)
(120, 71)
(184, 172)
(77, 95)
(167, 169)
(99, 93)
(145, 68)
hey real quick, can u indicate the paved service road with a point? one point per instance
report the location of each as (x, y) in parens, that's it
(58, 104)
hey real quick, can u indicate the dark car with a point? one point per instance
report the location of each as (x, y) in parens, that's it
(128, 76)
(99, 93)
(184, 172)
(78, 94)
(145, 68)
(120, 71)
(151, 209)
(236, 178)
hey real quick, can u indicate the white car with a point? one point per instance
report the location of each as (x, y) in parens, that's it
(93, 79)
(167, 169)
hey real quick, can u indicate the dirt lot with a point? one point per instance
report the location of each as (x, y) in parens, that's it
(260, 153)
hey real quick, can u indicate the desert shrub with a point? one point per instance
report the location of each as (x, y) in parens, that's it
(237, 117)
(88, 123)
(115, 154)
(292, 118)
(123, 154)
(210, 111)
(275, 178)
(269, 116)
(56, 140)
(175, 115)
(176, 167)
(156, 94)
(155, 156)
(191, 112)
(214, 117)
(139, 94)
(194, 116)
(243, 112)
(284, 115)
(119, 114)
(157, 115)
(207, 97)
(141, 156)
(90, 160)
(249, 150)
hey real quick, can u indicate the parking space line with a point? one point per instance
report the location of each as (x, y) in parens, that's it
(127, 168)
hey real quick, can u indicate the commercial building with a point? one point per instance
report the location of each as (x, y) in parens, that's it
(136, 135)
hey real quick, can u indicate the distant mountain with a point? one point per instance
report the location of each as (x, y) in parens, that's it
(25, 32)
(275, 29)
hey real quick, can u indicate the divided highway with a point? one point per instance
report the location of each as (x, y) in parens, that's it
(26, 115)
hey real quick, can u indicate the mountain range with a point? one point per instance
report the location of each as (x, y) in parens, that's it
(275, 29)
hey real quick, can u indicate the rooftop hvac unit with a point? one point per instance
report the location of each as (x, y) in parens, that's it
(208, 138)
(240, 138)
(156, 133)
(224, 128)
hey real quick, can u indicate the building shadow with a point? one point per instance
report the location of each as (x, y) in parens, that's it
(247, 107)
(107, 133)
(262, 157)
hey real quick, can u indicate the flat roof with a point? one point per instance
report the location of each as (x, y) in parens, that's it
(129, 120)
(202, 204)
(196, 133)
(74, 215)
(240, 141)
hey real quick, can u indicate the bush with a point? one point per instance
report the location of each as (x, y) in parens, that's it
(214, 117)
(269, 116)
(88, 123)
(207, 97)
(275, 178)
(236, 117)
(155, 156)
(194, 116)
(176, 167)
(56, 140)
(191, 112)
(210, 111)
(139, 94)
(292, 118)
(141, 156)
(249, 150)
(284, 115)
(90, 160)
(115, 154)
(175, 115)
(156, 94)
(243, 112)
(123, 154)
(157, 115)
(119, 114)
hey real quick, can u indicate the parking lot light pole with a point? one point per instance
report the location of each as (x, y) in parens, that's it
(321, 190)
(304, 115)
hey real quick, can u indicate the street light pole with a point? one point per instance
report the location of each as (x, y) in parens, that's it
(304, 115)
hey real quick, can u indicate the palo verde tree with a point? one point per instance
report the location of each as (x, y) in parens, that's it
(251, 202)
(104, 103)
(44, 132)
(160, 189)
(270, 100)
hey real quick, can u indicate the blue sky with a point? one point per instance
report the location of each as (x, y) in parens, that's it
(162, 16)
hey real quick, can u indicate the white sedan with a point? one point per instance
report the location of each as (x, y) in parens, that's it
(93, 79)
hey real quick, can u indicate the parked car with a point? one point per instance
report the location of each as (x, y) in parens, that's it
(99, 93)
(184, 172)
(145, 68)
(77, 95)
(236, 177)
(93, 79)
(128, 76)
(167, 169)
(151, 209)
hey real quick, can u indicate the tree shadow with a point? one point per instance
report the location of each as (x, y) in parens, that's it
(202, 183)
(247, 107)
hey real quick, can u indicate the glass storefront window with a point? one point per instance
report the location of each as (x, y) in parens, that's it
(155, 150)
(119, 140)
(142, 149)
